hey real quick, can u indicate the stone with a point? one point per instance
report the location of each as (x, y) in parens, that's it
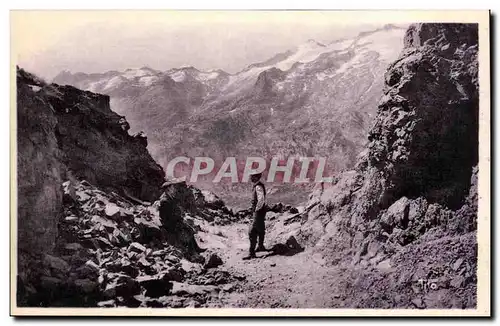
(156, 286)
(396, 214)
(136, 247)
(129, 301)
(172, 259)
(112, 211)
(228, 287)
(50, 283)
(419, 303)
(457, 281)
(106, 304)
(86, 285)
(385, 265)
(73, 246)
(175, 274)
(192, 304)
(56, 263)
(143, 262)
(456, 265)
(213, 261)
(292, 243)
(184, 289)
(88, 270)
(372, 249)
(71, 218)
(124, 286)
(418, 207)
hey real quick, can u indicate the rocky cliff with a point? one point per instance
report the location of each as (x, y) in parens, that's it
(406, 215)
(39, 171)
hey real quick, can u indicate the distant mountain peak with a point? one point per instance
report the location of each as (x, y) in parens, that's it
(310, 42)
(391, 26)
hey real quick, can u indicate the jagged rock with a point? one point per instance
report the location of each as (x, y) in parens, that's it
(74, 246)
(175, 274)
(183, 289)
(136, 247)
(141, 138)
(57, 264)
(112, 211)
(106, 304)
(86, 285)
(418, 303)
(396, 214)
(192, 304)
(123, 286)
(50, 283)
(457, 281)
(71, 218)
(213, 261)
(373, 249)
(155, 286)
(292, 243)
(456, 265)
(282, 208)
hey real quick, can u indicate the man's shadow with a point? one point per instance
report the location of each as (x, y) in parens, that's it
(289, 248)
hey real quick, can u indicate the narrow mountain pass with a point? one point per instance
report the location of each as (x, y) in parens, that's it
(271, 280)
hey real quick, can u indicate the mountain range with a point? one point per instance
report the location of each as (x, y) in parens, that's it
(317, 100)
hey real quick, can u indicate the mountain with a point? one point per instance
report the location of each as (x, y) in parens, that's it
(314, 100)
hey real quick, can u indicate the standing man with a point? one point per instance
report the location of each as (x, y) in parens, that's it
(258, 227)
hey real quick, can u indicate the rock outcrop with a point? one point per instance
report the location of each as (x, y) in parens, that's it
(416, 183)
(39, 192)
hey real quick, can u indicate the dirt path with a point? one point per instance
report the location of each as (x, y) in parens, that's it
(301, 280)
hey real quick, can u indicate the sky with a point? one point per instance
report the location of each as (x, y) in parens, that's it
(46, 43)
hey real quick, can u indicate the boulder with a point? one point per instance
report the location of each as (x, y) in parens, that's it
(184, 289)
(123, 286)
(112, 211)
(156, 286)
(57, 264)
(292, 243)
(213, 261)
(86, 285)
(136, 247)
(396, 214)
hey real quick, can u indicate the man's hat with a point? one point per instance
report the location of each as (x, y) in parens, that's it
(256, 175)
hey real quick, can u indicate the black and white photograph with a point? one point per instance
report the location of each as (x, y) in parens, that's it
(220, 162)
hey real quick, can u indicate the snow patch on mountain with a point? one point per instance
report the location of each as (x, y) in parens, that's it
(148, 80)
(133, 73)
(307, 52)
(178, 76)
(113, 82)
(204, 76)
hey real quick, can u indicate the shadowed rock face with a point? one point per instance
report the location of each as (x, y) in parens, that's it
(95, 143)
(425, 135)
(424, 142)
(38, 169)
(416, 183)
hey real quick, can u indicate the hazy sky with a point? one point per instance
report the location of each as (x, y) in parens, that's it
(47, 42)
